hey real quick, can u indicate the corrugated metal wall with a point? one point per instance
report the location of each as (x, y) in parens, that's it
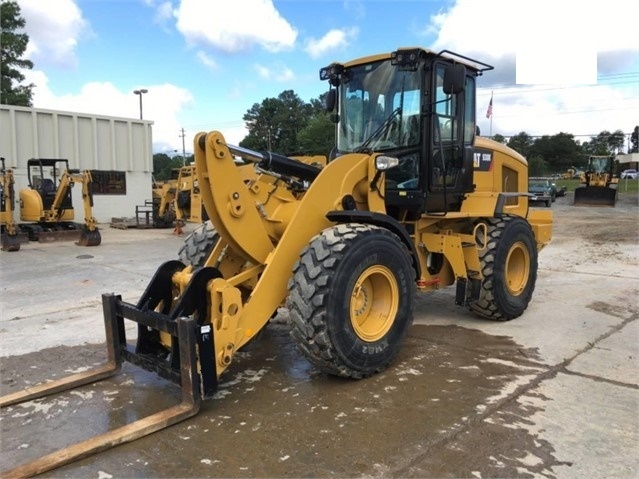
(88, 142)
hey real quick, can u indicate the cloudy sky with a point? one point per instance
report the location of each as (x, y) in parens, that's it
(560, 65)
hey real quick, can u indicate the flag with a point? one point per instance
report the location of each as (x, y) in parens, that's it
(489, 112)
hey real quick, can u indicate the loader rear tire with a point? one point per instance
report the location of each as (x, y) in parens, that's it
(351, 299)
(198, 245)
(509, 267)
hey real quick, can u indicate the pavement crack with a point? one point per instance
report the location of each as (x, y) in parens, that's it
(500, 404)
(602, 380)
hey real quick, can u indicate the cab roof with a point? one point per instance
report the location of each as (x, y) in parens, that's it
(475, 65)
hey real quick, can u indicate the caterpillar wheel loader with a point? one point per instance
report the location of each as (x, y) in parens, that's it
(598, 186)
(188, 198)
(11, 236)
(410, 201)
(46, 206)
(163, 201)
(179, 199)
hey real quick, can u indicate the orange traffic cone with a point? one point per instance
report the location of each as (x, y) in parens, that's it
(178, 228)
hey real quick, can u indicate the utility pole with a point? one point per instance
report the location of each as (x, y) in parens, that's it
(183, 148)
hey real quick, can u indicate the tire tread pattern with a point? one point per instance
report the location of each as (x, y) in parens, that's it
(198, 245)
(308, 289)
(487, 306)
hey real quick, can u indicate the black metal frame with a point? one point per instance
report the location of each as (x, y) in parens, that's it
(189, 340)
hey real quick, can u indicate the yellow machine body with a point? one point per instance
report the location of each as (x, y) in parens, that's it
(46, 207)
(11, 238)
(188, 199)
(410, 200)
(598, 186)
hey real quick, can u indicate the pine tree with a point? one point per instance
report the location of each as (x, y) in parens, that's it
(12, 48)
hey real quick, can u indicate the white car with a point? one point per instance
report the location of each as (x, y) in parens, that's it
(629, 174)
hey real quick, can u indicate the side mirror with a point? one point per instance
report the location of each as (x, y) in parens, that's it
(454, 79)
(331, 100)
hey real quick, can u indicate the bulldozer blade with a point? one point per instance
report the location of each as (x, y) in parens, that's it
(58, 235)
(184, 328)
(13, 242)
(595, 196)
(89, 238)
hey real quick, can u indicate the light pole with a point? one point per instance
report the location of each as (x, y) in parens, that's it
(141, 92)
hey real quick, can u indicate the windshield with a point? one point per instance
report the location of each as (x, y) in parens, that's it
(379, 108)
(599, 165)
(538, 184)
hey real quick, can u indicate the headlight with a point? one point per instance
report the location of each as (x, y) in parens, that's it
(383, 162)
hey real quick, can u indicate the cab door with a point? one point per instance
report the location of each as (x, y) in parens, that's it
(452, 129)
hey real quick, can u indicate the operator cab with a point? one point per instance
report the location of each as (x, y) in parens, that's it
(417, 106)
(44, 177)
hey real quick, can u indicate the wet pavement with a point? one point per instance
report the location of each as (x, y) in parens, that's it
(554, 393)
(275, 416)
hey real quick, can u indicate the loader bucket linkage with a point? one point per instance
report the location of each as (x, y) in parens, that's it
(183, 330)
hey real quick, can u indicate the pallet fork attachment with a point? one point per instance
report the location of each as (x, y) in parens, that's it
(184, 330)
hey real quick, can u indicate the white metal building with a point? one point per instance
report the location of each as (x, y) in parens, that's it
(118, 151)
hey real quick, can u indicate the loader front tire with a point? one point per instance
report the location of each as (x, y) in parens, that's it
(351, 299)
(198, 245)
(509, 267)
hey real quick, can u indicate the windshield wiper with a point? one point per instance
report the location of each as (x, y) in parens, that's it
(377, 133)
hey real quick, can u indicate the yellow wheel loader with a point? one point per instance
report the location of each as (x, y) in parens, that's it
(46, 206)
(598, 186)
(410, 201)
(178, 199)
(188, 199)
(11, 236)
(163, 201)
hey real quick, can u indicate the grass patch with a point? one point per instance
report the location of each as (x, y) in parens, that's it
(625, 186)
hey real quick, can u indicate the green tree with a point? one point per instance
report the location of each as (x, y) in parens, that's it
(318, 137)
(559, 151)
(634, 140)
(275, 123)
(499, 138)
(605, 143)
(537, 166)
(12, 47)
(616, 141)
(163, 164)
(522, 143)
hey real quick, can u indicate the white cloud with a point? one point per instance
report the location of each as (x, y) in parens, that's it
(237, 27)
(233, 135)
(501, 27)
(278, 73)
(54, 27)
(542, 110)
(164, 12)
(207, 61)
(336, 38)
(497, 31)
(162, 104)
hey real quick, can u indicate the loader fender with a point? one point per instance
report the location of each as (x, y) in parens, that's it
(378, 219)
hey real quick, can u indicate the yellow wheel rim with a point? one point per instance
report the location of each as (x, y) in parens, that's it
(517, 269)
(374, 303)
